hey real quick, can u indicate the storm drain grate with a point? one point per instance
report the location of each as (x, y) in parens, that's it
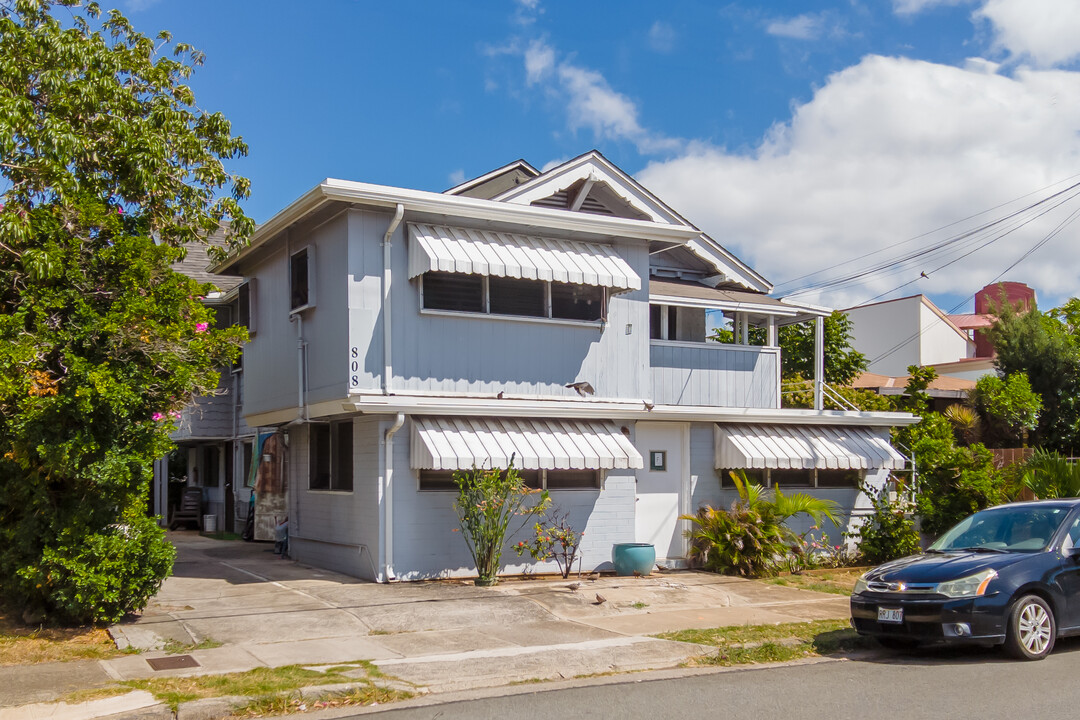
(176, 662)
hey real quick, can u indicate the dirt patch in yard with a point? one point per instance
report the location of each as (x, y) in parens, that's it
(29, 645)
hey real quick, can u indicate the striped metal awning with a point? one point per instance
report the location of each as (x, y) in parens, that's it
(803, 447)
(503, 254)
(461, 443)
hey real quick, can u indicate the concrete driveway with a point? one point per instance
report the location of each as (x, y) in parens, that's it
(442, 634)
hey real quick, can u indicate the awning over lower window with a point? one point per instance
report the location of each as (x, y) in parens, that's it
(805, 447)
(461, 443)
(503, 254)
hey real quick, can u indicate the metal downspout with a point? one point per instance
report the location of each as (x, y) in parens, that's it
(388, 369)
(388, 498)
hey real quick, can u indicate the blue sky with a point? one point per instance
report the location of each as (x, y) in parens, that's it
(798, 134)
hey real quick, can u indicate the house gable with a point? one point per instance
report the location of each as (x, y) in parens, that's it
(590, 183)
(496, 182)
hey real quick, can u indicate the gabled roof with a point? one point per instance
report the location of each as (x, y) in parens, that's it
(947, 319)
(592, 173)
(495, 182)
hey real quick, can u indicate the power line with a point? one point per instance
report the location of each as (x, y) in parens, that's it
(894, 264)
(929, 232)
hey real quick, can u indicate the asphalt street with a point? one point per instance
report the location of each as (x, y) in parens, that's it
(935, 683)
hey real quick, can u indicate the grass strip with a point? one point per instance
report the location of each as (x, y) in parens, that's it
(751, 644)
(283, 704)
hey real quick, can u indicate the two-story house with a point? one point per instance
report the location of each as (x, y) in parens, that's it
(554, 318)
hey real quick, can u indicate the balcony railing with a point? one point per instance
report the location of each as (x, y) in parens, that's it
(717, 374)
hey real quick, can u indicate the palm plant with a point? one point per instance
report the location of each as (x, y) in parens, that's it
(750, 538)
(1051, 475)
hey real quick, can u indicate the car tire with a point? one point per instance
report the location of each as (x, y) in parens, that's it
(894, 643)
(1032, 630)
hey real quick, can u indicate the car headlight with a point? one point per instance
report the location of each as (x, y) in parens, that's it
(970, 586)
(860, 584)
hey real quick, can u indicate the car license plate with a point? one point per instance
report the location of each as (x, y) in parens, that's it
(890, 615)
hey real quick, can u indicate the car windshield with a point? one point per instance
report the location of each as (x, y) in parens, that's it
(1017, 528)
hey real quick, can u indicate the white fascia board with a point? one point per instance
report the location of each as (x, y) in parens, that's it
(456, 206)
(722, 305)
(636, 410)
(723, 260)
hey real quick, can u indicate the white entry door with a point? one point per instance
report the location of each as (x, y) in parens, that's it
(660, 487)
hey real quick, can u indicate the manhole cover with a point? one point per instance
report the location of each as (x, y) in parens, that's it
(175, 662)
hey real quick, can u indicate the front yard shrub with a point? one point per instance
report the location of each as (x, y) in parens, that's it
(889, 533)
(750, 538)
(488, 502)
(555, 539)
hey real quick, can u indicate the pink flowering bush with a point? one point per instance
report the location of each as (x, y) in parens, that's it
(555, 540)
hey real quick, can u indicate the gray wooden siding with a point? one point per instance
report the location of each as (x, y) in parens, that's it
(426, 546)
(482, 354)
(713, 374)
(336, 530)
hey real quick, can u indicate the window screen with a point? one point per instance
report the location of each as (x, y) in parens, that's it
(319, 451)
(341, 475)
(298, 280)
(512, 296)
(453, 291)
(577, 302)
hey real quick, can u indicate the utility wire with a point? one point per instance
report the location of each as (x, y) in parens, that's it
(922, 235)
(889, 265)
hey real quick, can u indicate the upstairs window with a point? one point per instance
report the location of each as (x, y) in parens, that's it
(459, 292)
(245, 305)
(443, 480)
(301, 279)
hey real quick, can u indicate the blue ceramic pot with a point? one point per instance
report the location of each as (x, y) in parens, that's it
(633, 558)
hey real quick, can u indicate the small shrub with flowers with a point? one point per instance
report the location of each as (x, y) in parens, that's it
(488, 503)
(555, 539)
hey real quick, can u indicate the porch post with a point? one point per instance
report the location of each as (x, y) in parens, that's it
(819, 360)
(772, 331)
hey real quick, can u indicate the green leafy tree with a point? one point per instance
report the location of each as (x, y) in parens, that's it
(1044, 348)
(842, 362)
(889, 532)
(1008, 407)
(953, 481)
(109, 168)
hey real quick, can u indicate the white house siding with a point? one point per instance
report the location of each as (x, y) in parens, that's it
(426, 546)
(877, 329)
(337, 530)
(939, 340)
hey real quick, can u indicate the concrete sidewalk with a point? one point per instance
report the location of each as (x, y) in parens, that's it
(439, 635)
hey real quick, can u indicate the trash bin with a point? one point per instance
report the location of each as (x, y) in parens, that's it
(209, 523)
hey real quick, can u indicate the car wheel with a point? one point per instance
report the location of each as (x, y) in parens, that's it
(1032, 630)
(893, 643)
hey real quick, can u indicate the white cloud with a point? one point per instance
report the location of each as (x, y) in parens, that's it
(1045, 32)
(539, 60)
(590, 102)
(662, 37)
(886, 150)
(526, 11)
(456, 177)
(911, 7)
(800, 27)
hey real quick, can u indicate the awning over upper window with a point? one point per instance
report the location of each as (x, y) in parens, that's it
(821, 447)
(461, 443)
(502, 254)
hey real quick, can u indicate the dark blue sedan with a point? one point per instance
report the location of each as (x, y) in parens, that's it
(1007, 576)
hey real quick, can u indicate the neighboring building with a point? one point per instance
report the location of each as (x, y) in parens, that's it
(944, 390)
(214, 445)
(895, 334)
(554, 318)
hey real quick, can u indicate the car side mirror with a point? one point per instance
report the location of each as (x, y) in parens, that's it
(1073, 553)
